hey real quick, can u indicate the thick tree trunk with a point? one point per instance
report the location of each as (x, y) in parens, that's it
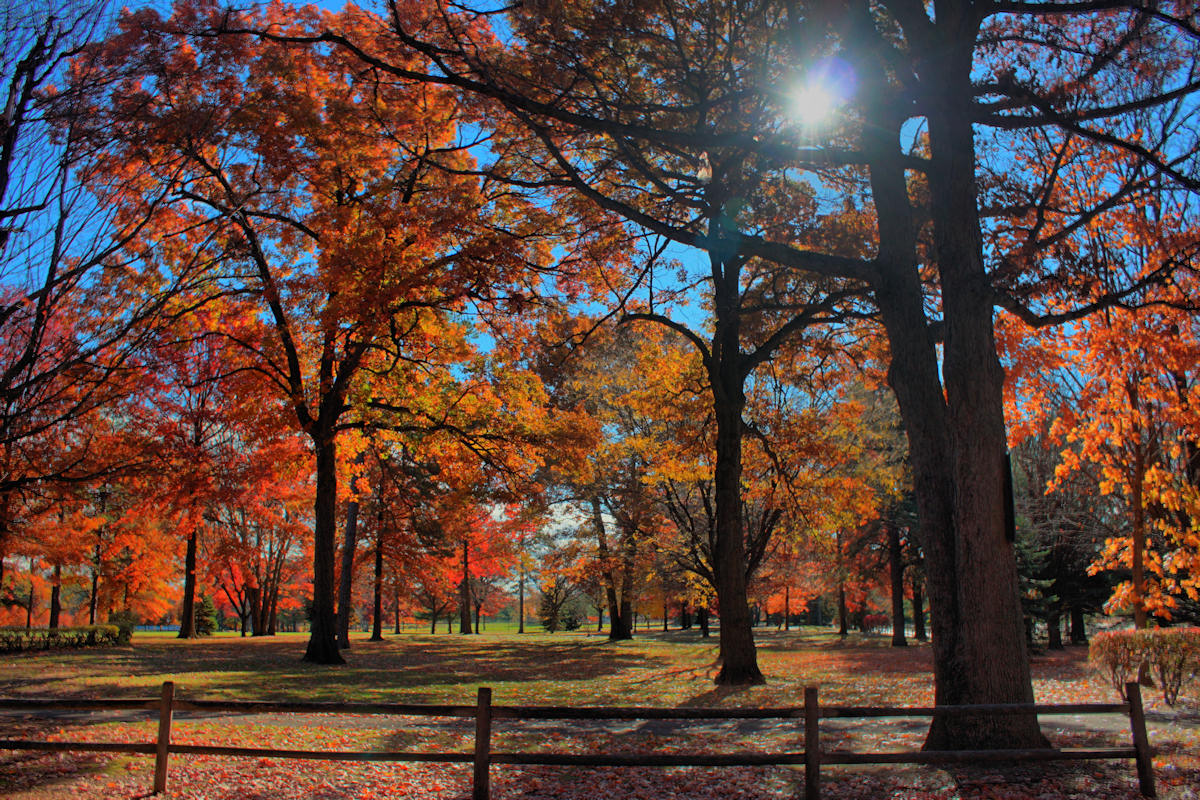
(346, 578)
(896, 559)
(739, 658)
(957, 439)
(187, 619)
(956, 433)
(322, 643)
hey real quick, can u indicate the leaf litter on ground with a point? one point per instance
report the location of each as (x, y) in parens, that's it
(658, 671)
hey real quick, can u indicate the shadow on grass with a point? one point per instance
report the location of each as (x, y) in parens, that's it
(407, 668)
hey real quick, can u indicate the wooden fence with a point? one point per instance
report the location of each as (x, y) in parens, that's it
(812, 757)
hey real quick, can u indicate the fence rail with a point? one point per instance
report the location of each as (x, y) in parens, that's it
(484, 714)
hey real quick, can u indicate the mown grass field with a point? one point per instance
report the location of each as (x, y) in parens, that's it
(673, 669)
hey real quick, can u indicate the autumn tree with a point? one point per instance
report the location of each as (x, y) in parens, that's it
(74, 309)
(1112, 82)
(314, 178)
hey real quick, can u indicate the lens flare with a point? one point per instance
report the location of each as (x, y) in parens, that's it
(817, 96)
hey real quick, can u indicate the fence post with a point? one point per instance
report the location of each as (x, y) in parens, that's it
(1141, 740)
(812, 745)
(483, 743)
(163, 743)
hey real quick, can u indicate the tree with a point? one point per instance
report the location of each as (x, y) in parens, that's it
(1113, 81)
(73, 308)
(205, 622)
(314, 182)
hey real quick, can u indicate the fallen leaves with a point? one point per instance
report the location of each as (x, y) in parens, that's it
(647, 671)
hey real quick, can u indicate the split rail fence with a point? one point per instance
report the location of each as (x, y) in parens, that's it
(812, 757)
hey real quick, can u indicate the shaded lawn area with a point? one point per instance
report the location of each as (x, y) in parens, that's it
(656, 669)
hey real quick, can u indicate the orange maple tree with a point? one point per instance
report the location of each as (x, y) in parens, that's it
(312, 185)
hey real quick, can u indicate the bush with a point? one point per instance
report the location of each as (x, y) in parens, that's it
(571, 621)
(1171, 654)
(126, 621)
(15, 640)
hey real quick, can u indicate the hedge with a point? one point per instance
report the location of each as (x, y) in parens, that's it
(1172, 656)
(15, 640)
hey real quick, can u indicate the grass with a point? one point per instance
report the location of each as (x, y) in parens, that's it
(578, 668)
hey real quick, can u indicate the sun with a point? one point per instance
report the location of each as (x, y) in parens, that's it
(814, 99)
(812, 104)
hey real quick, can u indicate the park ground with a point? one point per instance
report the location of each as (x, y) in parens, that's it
(672, 669)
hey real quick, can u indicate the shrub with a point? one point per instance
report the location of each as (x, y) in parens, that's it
(15, 640)
(1171, 654)
(126, 621)
(1174, 655)
(571, 621)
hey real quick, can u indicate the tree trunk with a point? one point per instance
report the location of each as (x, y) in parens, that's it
(1078, 629)
(896, 559)
(377, 596)
(843, 617)
(787, 608)
(521, 601)
(702, 619)
(187, 619)
(346, 579)
(93, 597)
(956, 436)
(624, 624)
(618, 611)
(254, 610)
(29, 602)
(1054, 630)
(739, 658)
(464, 592)
(56, 598)
(1141, 620)
(322, 643)
(918, 605)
